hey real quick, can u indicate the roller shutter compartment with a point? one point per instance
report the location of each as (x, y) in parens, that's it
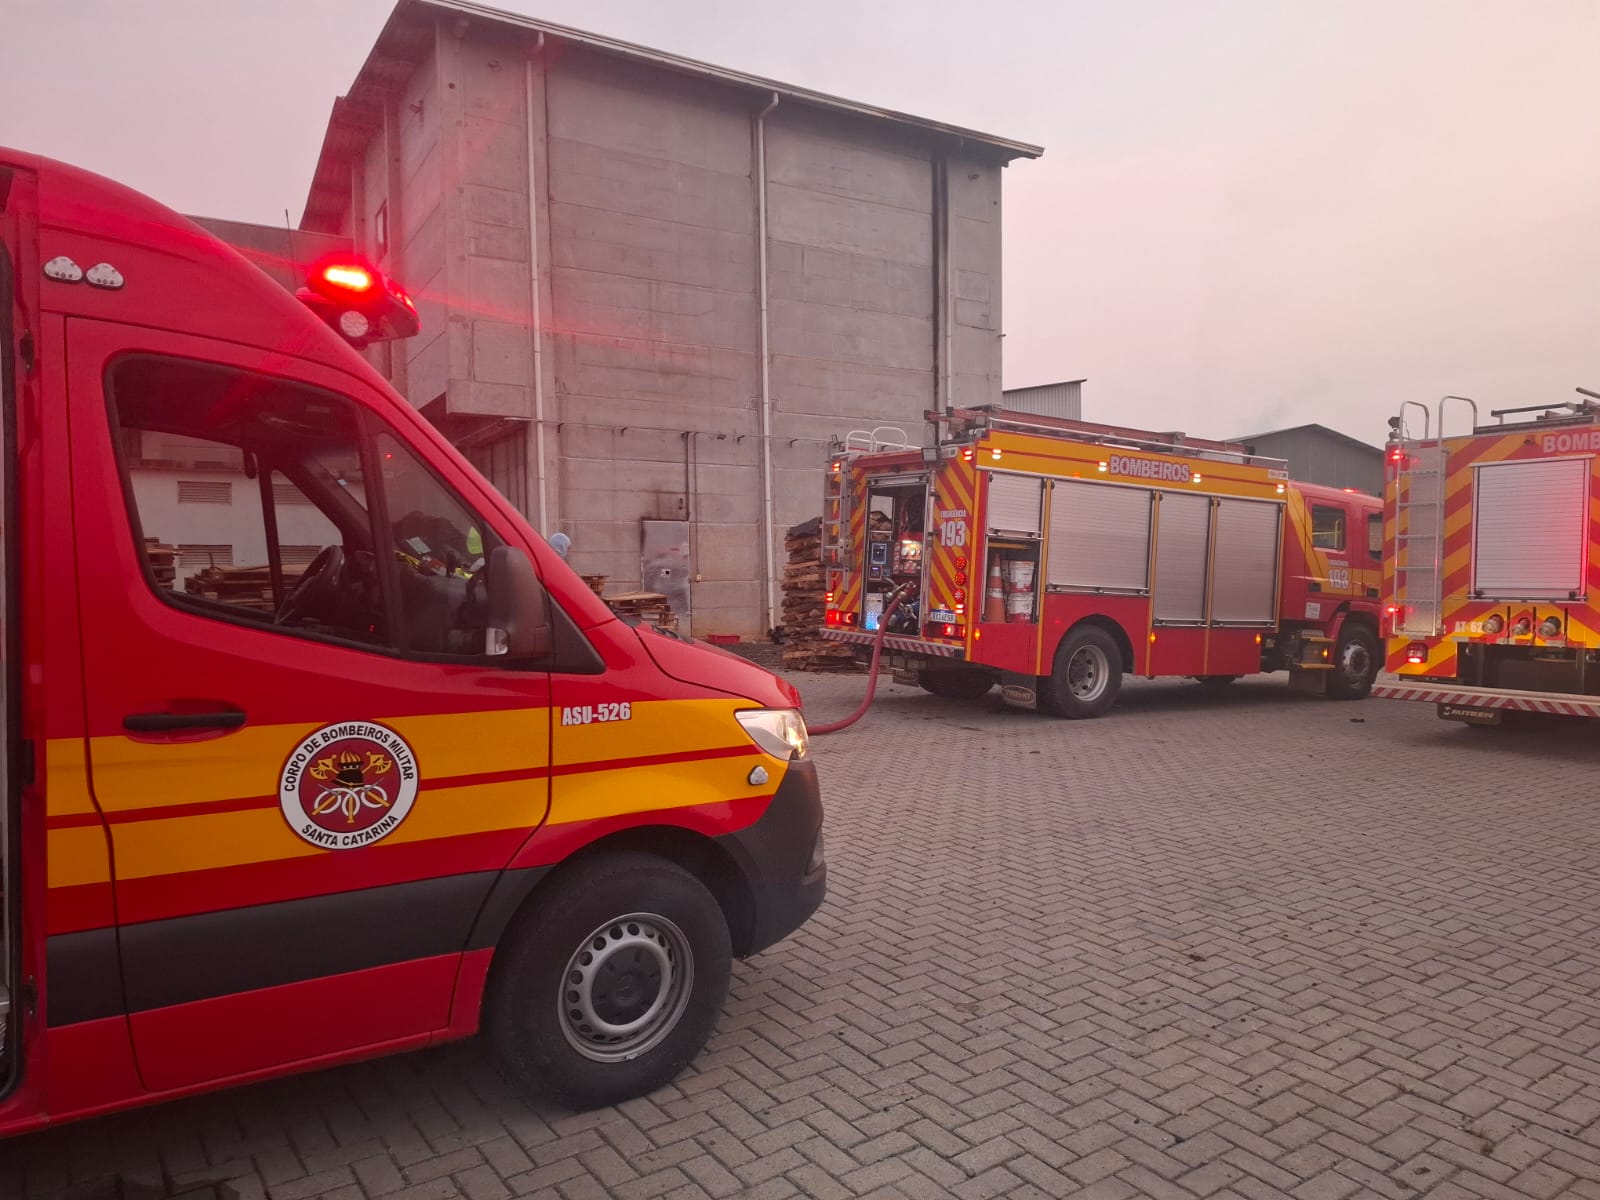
(1099, 537)
(1530, 524)
(1244, 565)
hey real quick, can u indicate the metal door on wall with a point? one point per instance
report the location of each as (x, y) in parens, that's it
(664, 565)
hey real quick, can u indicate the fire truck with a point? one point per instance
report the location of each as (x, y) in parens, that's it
(1052, 557)
(1492, 559)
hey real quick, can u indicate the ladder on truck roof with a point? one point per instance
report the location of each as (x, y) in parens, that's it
(836, 495)
(1422, 465)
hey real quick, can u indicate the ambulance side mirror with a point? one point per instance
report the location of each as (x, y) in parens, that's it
(518, 608)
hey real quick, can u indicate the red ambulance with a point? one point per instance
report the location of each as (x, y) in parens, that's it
(313, 750)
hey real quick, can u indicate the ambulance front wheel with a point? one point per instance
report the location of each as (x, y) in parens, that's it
(1087, 675)
(1355, 663)
(610, 984)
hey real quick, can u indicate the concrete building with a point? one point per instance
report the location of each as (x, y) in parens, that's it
(1317, 454)
(1063, 399)
(652, 289)
(283, 253)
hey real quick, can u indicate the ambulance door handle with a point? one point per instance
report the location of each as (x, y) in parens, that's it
(173, 722)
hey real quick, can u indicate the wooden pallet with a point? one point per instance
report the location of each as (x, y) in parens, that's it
(651, 608)
(244, 587)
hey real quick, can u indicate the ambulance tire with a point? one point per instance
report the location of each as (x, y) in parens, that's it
(956, 685)
(1355, 664)
(1086, 678)
(630, 939)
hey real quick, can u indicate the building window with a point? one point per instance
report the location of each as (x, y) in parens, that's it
(284, 492)
(205, 556)
(297, 558)
(1327, 527)
(198, 491)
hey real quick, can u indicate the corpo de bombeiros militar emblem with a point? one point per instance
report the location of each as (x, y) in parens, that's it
(348, 785)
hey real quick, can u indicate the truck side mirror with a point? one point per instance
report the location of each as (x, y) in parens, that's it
(518, 608)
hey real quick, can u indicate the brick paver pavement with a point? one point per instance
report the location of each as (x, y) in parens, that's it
(1239, 943)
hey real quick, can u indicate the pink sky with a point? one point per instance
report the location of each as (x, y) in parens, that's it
(1250, 213)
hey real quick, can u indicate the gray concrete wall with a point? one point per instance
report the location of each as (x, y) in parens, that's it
(974, 192)
(653, 307)
(283, 253)
(645, 257)
(853, 292)
(405, 169)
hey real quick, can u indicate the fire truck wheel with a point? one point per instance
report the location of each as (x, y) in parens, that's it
(956, 685)
(610, 983)
(1355, 664)
(1087, 675)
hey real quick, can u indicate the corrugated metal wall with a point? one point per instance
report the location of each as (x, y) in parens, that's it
(1047, 399)
(1320, 456)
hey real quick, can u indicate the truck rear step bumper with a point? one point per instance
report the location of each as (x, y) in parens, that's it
(900, 645)
(1455, 695)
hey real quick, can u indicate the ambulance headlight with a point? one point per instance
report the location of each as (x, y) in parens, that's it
(781, 732)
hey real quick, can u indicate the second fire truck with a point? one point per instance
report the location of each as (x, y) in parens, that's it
(1053, 557)
(1493, 569)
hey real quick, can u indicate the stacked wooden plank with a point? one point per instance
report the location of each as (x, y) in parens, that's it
(163, 561)
(244, 587)
(597, 584)
(651, 608)
(804, 608)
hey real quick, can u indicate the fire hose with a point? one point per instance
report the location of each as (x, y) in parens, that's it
(872, 671)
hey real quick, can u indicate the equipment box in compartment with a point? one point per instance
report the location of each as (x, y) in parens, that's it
(1011, 582)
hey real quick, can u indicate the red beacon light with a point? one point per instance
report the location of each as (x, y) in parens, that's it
(358, 301)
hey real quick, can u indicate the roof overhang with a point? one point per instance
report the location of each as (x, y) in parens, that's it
(408, 34)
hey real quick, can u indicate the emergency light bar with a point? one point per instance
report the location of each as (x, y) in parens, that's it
(358, 301)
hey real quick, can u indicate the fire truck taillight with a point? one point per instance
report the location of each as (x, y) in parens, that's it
(1417, 652)
(1282, 488)
(835, 466)
(966, 454)
(949, 631)
(995, 454)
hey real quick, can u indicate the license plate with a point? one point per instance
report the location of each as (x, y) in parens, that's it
(1469, 714)
(942, 616)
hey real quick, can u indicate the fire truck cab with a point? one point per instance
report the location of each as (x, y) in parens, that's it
(361, 765)
(1053, 557)
(1492, 562)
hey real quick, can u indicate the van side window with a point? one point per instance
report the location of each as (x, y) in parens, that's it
(1327, 527)
(254, 500)
(1375, 536)
(440, 548)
